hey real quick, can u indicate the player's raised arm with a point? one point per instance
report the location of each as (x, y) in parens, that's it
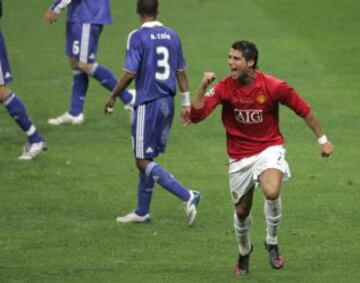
(326, 146)
(206, 100)
(198, 101)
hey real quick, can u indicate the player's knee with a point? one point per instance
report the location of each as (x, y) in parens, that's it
(85, 67)
(4, 92)
(73, 63)
(141, 164)
(81, 66)
(271, 189)
(242, 211)
(272, 194)
(2, 97)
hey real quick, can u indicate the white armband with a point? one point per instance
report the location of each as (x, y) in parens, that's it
(322, 140)
(57, 8)
(185, 99)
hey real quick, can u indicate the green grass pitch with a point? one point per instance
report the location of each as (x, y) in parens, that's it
(57, 213)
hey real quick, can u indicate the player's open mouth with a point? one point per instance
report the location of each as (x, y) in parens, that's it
(234, 72)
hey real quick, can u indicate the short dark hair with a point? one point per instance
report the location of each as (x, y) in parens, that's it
(147, 7)
(248, 49)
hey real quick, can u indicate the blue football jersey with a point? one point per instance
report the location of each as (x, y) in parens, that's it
(85, 11)
(154, 54)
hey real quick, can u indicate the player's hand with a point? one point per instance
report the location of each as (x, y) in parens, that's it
(185, 116)
(326, 149)
(50, 16)
(207, 79)
(108, 109)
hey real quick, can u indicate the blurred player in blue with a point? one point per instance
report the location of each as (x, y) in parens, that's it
(154, 58)
(16, 108)
(85, 21)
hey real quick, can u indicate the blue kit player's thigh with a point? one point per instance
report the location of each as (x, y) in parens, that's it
(82, 41)
(5, 71)
(151, 127)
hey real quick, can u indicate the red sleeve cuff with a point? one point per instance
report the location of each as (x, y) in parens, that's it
(196, 115)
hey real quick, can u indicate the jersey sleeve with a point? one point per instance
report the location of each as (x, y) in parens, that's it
(289, 97)
(212, 98)
(59, 5)
(133, 53)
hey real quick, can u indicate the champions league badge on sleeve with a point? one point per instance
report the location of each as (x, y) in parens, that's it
(210, 92)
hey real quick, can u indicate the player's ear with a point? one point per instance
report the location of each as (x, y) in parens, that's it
(251, 63)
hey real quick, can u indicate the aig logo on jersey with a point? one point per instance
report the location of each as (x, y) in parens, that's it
(249, 116)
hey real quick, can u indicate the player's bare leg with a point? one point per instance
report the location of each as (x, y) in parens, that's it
(242, 224)
(270, 182)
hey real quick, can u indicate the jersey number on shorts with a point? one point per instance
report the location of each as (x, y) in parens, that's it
(76, 47)
(163, 63)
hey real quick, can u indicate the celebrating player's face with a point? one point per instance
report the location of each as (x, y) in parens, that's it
(238, 65)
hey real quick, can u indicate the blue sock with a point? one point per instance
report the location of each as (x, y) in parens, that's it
(78, 92)
(145, 189)
(108, 80)
(17, 111)
(168, 182)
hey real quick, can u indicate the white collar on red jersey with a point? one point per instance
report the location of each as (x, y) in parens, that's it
(151, 24)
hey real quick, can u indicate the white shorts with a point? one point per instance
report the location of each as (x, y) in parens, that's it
(244, 173)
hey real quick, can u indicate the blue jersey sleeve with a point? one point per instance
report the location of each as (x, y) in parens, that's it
(133, 52)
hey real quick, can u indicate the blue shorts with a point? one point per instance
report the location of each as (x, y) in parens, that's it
(82, 41)
(5, 71)
(151, 127)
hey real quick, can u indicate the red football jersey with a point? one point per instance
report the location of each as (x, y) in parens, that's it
(250, 114)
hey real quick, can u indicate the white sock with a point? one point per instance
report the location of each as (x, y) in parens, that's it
(272, 211)
(242, 227)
